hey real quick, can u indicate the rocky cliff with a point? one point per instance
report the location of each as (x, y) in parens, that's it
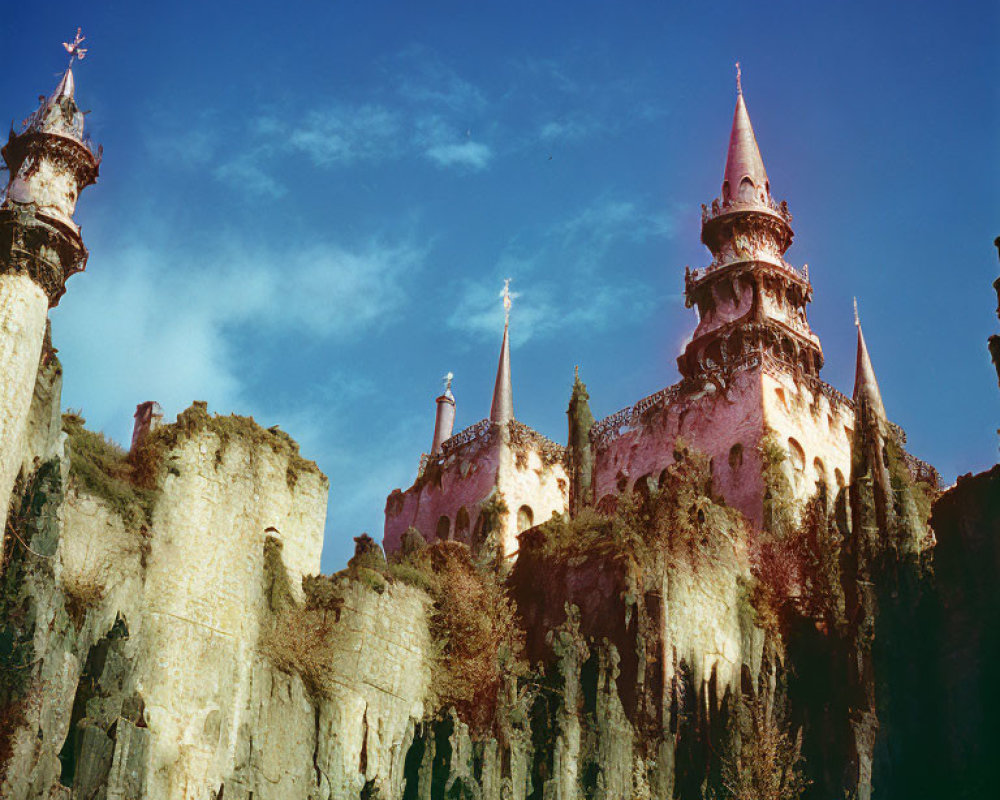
(164, 633)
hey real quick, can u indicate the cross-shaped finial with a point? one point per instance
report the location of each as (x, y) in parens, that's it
(739, 79)
(857, 319)
(506, 295)
(74, 49)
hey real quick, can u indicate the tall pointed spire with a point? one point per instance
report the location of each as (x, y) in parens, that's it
(743, 160)
(502, 408)
(865, 384)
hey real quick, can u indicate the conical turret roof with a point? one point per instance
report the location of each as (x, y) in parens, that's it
(743, 160)
(502, 408)
(865, 384)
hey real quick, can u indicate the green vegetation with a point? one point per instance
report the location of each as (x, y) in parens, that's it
(301, 639)
(764, 761)
(678, 522)
(147, 461)
(101, 468)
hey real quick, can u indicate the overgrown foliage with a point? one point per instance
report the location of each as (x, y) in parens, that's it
(101, 468)
(302, 637)
(765, 761)
(473, 625)
(148, 456)
(678, 522)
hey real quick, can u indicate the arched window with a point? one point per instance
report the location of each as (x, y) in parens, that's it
(736, 456)
(644, 485)
(462, 524)
(607, 505)
(819, 471)
(839, 477)
(780, 393)
(443, 527)
(525, 518)
(797, 455)
(747, 190)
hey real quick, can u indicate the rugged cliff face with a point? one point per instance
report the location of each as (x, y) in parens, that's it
(164, 634)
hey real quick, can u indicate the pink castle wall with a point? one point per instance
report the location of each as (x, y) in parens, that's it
(468, 476)
(709, 422)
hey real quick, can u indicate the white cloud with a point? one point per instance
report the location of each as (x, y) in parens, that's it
(344, 134)
(473, 155)
(553, 270)
(160, 322)
(246, 174)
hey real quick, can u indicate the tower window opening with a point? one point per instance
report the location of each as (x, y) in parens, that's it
(736, 456)
(462, 524)
(525, 518)
(443, 527)
(780, 393)
(797, 455)
(839, 477)
(819, 471)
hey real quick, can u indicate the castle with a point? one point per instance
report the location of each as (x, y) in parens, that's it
(165, 634)
(751, 369)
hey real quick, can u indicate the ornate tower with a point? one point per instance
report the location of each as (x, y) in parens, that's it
(751, 302)
(50, 162)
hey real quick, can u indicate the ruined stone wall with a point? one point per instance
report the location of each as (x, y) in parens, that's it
(203, 601)
(711, 422)
(146, 676)
(23, 309)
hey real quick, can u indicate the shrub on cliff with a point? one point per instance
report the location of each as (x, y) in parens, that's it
(475, 625)
(101, 468)
(680, 521)
(301, 637)
(764, 761)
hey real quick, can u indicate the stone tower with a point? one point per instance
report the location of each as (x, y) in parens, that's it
(50, 163)
(751, 369)
(750, 300)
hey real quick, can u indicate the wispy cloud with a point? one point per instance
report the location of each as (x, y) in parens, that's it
(344, 134)
(554, 272)
(143, 327)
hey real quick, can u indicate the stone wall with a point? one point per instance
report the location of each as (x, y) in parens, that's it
(713, 422)
(23, 309)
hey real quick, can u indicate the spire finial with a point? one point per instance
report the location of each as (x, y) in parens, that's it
(576, 372)
(447, 381)
(73, 48)
(857, 319)
(739, 80)
(507, 297)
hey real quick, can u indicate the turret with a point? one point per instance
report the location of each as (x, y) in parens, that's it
(751, 302)
(50, 162)
(871, 489)
(444, 420)
(502, 407)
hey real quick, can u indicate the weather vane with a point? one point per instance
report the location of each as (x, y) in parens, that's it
(506, 295)
(74, 49)
(739, 79)
(447, 381)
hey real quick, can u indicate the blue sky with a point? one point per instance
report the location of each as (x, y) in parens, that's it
(306, 210)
